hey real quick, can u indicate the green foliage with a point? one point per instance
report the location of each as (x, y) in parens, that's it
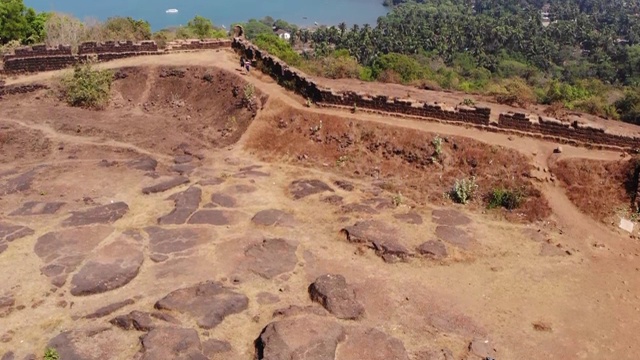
(203, 28)
(278, 47)
(437, 146)
(253, 28)
(464, 190)
(126, 28)
(629, 106)
(506, 198)
(87, 87)
(405, 66)
(514, 91)
(337, 65)
(51, 354)
(19, 22)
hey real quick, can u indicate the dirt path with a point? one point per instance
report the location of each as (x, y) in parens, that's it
(538, 150)
(82, 140)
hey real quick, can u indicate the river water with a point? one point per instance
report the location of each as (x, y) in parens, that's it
(221, 12)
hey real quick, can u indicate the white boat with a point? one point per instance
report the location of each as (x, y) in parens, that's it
(172, 11)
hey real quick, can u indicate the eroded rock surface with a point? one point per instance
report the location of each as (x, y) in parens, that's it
(95, 343)
(378, 236)
(208, 303)
(64, 250)
(302, 188)
(37, 208)
(272, 257)
(103, 214)
(186, 203)
(168, 241)
(303, 338)
(144, 164)
(165, 185)
(273, 217)
(433, 249)
(450, 217)
(223, 200)
(111, 267)
(371, 344)
(410, 218)
(332, 292)
(172, 343)
(454, 236)
(20, 183)
(10, 232)
(215, 217)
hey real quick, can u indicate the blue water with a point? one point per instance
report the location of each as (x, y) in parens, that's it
(221, 12)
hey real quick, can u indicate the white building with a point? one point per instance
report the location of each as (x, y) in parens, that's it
(283, 34)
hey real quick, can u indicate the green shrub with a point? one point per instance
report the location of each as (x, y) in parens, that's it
(508, 199)
(51, 354)
(407, 68)
(464, 190)
(87, 87)
(278, 47)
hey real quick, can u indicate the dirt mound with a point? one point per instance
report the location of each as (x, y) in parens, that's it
(601, 189)
(154, 108)
(410, 164)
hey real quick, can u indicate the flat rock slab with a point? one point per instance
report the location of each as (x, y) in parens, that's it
(10, 232)
(103, 214)
(358, 208)
(183, 169)
(344, 185)
(213, 348)
(95, 343)
(223, 200)
(409, 218)
(37, 208)
(113, 266)
(144, 164)
(332, 292)
(165, 185)
(143, 321)
(64, 250)
(368, 231)
(380, 237)
(370, 344)
(244, 189)
(183, 159)
(433, 249)
(450, 217)
(172, 343)
(109, 309)
(185, 204)
(302, 188)
(455, 236)
(303, 338)
(20, 183)
(215, 217)
(273, 217)
(208, 303)
(272, 257)
(168, 241)
(379, 203)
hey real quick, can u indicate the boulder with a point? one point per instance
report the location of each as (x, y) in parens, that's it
(332, 292)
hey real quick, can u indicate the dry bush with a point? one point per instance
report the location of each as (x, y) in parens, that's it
(556, 110)
(64, 29)
(596, 187)
(390, 76)
(515, 92)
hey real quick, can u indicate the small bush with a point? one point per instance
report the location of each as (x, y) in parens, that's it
(87, 87)
(51, 354)
(508, 199)
(464, 190)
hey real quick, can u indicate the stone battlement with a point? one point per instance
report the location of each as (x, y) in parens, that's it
(521, 123)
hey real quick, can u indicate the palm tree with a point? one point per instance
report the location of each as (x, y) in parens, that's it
(343, 28)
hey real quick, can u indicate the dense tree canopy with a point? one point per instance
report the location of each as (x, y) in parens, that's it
(19, 22)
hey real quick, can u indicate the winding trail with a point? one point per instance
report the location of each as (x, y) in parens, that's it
(539, 151)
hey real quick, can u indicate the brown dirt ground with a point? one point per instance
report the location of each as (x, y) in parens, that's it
(576, 276)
